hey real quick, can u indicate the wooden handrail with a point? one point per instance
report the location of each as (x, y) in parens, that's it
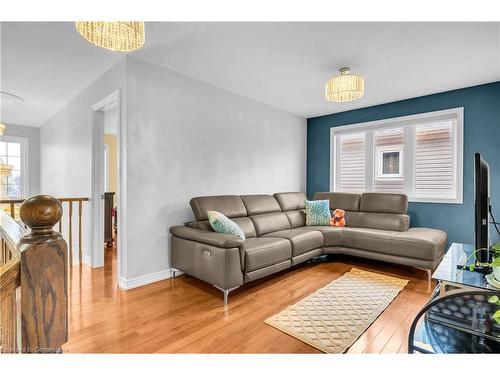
(33, 281)
(9, 277)
(11, 232)
(69, 235)
(78, 199)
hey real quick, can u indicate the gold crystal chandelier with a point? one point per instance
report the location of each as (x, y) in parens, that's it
(345, 87)
(115, 36)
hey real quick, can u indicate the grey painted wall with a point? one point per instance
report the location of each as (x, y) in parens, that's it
(66, 148)
(187, 138)
(33, 135)
(184, 138)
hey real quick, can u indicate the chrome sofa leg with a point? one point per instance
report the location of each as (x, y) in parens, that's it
(429, 280)
(226, 293)
(172, 271)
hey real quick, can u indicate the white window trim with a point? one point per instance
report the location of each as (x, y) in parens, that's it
(379, 162)
(408, 121)
(24, 141)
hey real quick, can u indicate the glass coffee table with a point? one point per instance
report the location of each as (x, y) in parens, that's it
(451, 272)
(458, 317)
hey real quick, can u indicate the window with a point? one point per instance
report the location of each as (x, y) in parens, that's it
(420, 155)
(352, 164)
(390, 163)
(13, 158)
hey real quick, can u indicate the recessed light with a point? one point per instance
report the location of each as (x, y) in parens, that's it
(7, 97)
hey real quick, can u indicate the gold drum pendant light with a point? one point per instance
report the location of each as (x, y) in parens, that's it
(115, 36)
(345, 87)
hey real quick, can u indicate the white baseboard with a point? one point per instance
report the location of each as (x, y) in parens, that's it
(86, 260)
(136, 282)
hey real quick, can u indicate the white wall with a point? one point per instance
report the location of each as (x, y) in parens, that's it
(66, 147)
(186, 138)
(183, 138)
(33, 136)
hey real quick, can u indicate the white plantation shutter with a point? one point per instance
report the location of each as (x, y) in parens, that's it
(352, 166)
(389, 138)
(419, 155)
(434, 175)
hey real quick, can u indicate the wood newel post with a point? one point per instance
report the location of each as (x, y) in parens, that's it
(44, 290)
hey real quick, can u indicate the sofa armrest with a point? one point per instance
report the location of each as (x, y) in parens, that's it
(223, 240)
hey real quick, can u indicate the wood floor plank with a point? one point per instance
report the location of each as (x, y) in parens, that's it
(186, 315)
(400, 335)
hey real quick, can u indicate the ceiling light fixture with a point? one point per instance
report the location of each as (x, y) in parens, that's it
(345, 87)
(115, 36)
(2, 128)
(7, 97)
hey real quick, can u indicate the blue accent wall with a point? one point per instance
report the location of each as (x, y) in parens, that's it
(481, 134)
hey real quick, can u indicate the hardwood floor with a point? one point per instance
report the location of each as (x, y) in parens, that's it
(187, 315)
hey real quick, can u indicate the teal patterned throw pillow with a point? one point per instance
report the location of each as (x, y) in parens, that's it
(318, 212)
(222, 224)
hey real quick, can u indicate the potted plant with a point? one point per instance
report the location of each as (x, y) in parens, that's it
(496, 301)
(495, 265)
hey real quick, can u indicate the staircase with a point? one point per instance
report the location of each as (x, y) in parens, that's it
(33, 279)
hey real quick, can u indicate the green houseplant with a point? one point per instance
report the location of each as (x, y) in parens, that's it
(495, 265)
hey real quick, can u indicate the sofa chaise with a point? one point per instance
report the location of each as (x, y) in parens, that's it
(277, 238)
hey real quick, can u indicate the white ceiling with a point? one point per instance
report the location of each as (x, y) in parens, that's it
(47, 64)
(284, 65)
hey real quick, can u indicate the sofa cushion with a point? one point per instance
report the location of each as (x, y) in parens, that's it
(296, 218)
(245, 223)
(381, 202)
(291, 201)
(317, 212)
(229, 205)
(344, 201)
(265, 251)
(332, 236)
(420, 243)
(223, 224)
(417, 243)
(368, 239)
(260, 204)
(205, 225)
(376, 220)
(302, 240)
(271, 222)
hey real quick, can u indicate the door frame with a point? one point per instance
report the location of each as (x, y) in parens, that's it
(97, 197)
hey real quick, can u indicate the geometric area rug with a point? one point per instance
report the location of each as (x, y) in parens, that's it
(332, 318)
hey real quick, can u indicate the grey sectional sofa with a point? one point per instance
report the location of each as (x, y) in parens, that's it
(277, 238)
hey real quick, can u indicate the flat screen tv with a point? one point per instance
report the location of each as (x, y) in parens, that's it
(482, 206)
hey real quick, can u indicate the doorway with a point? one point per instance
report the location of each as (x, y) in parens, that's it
(106, 214)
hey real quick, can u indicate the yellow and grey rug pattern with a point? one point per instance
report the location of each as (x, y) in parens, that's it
(332, 318)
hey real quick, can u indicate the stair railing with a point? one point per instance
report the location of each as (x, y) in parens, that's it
(71, 207)
(33, 279)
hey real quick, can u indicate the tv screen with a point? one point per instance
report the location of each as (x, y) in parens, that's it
(482, 203)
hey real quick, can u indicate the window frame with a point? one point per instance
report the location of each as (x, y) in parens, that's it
(408, 122)
(24, 142)
(379, 162)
